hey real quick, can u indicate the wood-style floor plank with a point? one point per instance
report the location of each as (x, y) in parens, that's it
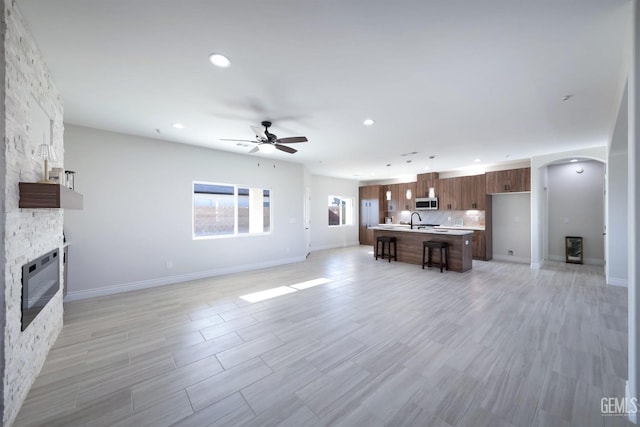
(379, 344)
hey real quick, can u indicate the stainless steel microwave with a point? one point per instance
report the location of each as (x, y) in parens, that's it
(427, 204)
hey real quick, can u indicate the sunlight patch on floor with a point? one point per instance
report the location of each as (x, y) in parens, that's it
(283, 290)
(311, 283)
(268, 294)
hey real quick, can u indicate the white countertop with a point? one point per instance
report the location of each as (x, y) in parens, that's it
(464, 227)
(407, 228)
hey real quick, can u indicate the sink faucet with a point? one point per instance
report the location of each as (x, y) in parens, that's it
(411, 221)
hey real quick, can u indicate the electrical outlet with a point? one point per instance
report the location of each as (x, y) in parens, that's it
(510, 252)
(169, 264)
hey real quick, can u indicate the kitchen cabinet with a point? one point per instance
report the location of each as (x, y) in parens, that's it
(479, 245)
(509, 181)
(391, 205)
(449, 194)
(473, 192)
(402, 203)
(399, 201)
(369, 212)
(424, 181)
(385, 204)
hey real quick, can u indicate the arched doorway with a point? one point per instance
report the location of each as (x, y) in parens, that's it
(574, 205)
(539, 193)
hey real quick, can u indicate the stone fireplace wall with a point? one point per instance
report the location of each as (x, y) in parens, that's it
(28, 91)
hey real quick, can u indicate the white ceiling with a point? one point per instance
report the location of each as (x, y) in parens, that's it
(458, 79)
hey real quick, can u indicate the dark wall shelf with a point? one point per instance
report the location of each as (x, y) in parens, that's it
(48, 196)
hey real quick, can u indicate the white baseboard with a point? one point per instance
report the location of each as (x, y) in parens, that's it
(333, 246)
(589, 261)
(152, 283)
(615, 281)
(511, 258)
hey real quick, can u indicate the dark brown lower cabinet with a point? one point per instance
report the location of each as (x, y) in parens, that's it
(479, 245)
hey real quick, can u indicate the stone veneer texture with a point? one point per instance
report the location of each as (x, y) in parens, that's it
(28, 233)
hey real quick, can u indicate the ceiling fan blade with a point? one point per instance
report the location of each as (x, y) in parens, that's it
(238, 140)
(255, 150)
(292, 139)
(285, 148)
(259, 132)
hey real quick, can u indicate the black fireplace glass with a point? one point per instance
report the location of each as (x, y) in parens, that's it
(40, 282)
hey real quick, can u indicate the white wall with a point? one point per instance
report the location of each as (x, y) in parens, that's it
(616, 240)
(138, 212)
(576, 208)
(617, 230)
(323, 236)
(512, 226)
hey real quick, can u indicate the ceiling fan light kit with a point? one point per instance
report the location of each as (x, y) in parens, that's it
(269, 142)
(267, 148)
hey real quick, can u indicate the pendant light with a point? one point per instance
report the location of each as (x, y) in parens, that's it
(388, 193)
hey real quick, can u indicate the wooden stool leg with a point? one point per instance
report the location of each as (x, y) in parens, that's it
(424, 248)
(441, 258)
(390, 251)
(447, 253)
(395, 250)
(376, 251)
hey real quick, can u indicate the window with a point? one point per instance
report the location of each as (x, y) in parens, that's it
(340, 211)
(230, 210)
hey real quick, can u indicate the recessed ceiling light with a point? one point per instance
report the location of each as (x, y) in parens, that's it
(573, 160)
(219, 60)
(477, 160)
(178, 125)
(368, 122)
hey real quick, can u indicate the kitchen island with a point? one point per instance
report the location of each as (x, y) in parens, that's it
(409, 243)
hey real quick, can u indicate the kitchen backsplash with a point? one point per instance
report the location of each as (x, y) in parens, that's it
(447, 218)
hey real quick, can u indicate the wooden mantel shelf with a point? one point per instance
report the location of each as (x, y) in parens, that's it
(48, 196)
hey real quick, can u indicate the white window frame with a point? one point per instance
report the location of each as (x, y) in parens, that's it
(235, 233)
(347, 219)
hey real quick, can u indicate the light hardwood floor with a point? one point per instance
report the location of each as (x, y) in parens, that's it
(380, 344)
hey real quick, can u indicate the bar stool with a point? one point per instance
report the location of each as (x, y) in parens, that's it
(387, 240)
(444, 253)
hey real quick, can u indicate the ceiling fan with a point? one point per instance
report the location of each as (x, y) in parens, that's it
(267, 141)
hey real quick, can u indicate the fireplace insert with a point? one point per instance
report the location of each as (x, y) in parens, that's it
(40, 282)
